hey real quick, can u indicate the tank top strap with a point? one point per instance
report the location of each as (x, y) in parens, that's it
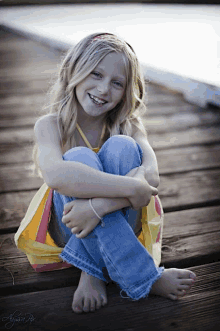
(83, 136)
(86, 140)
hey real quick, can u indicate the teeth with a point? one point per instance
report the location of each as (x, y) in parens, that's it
(97, 100)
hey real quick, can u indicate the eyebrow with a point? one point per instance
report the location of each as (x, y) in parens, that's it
(123, 78)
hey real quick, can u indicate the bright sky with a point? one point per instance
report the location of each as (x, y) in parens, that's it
(179, 39)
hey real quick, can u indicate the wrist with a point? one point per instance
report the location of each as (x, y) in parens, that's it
(104, 206)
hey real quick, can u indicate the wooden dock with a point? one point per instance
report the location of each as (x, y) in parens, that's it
(186, 140)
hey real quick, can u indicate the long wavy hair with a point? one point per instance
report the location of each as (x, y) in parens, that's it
(78, 63)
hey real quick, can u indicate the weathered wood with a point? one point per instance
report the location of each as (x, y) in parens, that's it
(153, 124)
(53, 307)
(186, 140)
(180, 191)
(181, 121)
(184, 236)
(13, 207)
(19, 122)
(169, 161)
(175, 190)
(163, 110)
(172, 161)
(191, 137)
(15, 155)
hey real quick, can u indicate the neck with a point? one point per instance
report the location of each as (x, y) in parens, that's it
(94, 123)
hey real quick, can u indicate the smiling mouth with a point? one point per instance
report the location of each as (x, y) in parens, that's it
(96, 100)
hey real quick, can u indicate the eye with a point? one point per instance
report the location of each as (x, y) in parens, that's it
(96, 74)
(118, 84)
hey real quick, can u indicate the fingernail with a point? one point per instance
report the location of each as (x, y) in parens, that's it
(77, 308)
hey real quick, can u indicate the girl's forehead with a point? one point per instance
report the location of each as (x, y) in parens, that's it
(113, 63)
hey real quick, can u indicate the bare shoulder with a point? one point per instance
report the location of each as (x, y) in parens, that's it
(46, 129)
(45, 120)
(138, 131)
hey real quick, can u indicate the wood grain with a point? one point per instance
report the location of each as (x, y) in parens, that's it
(157, 313)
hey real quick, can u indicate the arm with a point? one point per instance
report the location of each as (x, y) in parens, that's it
(79, 216)
(74, 178)
(149, 161)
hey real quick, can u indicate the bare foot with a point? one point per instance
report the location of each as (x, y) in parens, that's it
(174, 283)
(89, 295)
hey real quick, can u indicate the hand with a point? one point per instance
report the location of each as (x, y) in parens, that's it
(79, 216)
(143, 191)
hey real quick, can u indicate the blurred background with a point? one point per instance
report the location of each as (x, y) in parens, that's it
(177, 43)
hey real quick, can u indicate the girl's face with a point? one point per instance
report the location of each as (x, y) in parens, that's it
(104, 88)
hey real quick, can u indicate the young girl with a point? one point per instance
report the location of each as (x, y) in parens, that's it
(100, 192)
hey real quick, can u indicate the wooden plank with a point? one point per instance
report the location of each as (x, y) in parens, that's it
(17, 276)
(22, 104)
(175, 190)
(186, 159)
(13, 207)
(8, 122)
(33, 86)
(195, 188)
(183, 246)
(153, 124)
(18, 178)
(169, 161)
(22, 155)
(198, 310)
(162, 110)
(163, 99)
(181, 121)
(191, 137)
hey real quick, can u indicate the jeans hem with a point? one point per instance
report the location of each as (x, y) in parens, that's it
(79, 262)
(142, 291)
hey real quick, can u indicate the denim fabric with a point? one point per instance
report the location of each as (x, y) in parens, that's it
(112, 252)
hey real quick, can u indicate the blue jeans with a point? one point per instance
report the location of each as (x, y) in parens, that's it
(112, 252)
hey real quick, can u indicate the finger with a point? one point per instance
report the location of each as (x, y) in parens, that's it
(67, 207)
(64, 220)
(75, 230)
(82, 234)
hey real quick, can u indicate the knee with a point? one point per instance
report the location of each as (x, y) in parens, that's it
(120, 141)
(76, 153)
(83, 155)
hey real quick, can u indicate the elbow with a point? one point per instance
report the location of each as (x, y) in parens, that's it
(154, 180)
(51, 179)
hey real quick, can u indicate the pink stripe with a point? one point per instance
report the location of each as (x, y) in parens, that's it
(42, 231)
(50, 266)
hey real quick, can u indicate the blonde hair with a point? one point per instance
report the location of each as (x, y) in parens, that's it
(79, 62)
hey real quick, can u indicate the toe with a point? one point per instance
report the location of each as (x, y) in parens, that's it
(185, 281)
(92, 305)
(86, 307)
(98, 303)
(104, 300)
(77, 306)
(184, 287)
(172, 296)
(181, 293)
(186, 274)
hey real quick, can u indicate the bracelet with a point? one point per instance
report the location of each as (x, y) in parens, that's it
(102, 222)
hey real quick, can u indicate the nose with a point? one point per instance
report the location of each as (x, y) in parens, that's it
(103, 87)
